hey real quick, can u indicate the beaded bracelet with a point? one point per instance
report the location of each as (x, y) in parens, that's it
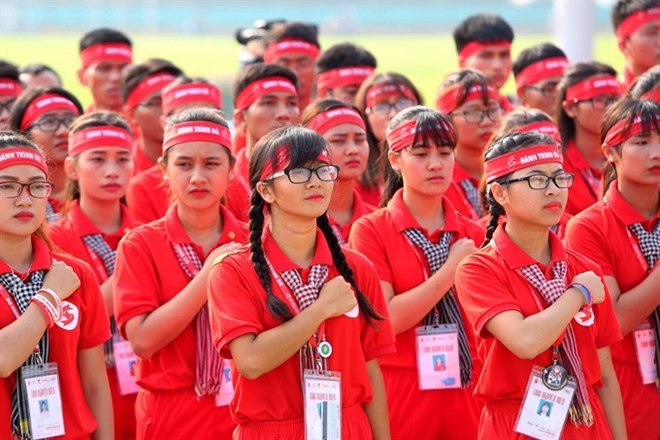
(585, 291)
(56, 299)
(46, 308)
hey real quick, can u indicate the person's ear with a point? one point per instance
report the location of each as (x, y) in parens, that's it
(70, 168)
(266, 192)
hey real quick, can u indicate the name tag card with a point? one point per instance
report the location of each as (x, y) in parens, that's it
(42, 386)
(645, 348)
(543, 411)
(322, 397)
(226, 393)
(438, 364)
(125, 363)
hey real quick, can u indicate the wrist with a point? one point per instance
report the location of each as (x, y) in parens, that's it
(585, 292)
(51, 296)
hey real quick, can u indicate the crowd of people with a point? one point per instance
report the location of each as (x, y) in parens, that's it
(336, 259)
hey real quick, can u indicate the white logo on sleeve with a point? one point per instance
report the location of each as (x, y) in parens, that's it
(70, 316)
(585, 317)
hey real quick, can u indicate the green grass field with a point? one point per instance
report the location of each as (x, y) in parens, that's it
(424, 59)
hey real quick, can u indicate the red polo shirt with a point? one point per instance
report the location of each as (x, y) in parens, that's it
(237, 196)
(456, 194)
(586, 184)
(360, 209)
(148, 195)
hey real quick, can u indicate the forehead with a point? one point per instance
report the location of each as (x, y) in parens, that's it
(494, 50)
(22, 172)
(197, 150)
(109, 64)
(107, 151)
(345, 128)
(293, 57)
(277, 95)
(544, 168)
(58, 114)
(478, 104)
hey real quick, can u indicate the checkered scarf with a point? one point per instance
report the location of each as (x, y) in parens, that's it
(336, 230)
(306, 294)
(51, 215)
(472, 194)
(209, 365)
(551, 291)
(97, 244)
(22, 293)
(649, 244)
(447, 308)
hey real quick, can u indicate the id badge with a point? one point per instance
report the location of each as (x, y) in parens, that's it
(226, 393)
(645, 348)
(125, 363)
(544, 411)
(322, 400)
(438, 364)
(42, 388)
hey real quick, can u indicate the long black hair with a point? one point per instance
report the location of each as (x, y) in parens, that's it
(304, 146)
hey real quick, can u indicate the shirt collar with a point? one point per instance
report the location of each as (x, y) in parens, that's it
(460, 174)
(576, 159)
(403, 219)
(84, 225)
(622, 209)
(281, 262)
(177, 234)
(516, 258)
(41, 260)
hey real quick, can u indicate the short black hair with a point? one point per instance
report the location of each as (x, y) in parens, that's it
(8, 70)
(103, 35)
(136, 73)
(624, 8)
(645, 82)
(485, 28)
(254, 72)
(345, 55)
(295, 30)
(35, 69)
(534, 54)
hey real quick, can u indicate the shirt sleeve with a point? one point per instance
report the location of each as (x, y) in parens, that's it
(94, 320)
(235, 308)
(587, 238)
(365, 239)
(609, 331)
(479, 302)
(136, 287)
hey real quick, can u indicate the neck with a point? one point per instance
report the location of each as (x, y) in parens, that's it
(249, 145)
(427, 210)
(295, 237)
(342, 201)
(471, 161)
(105, 215)
(588, 144)
(58, 176)
(16, 252)
(532, 239)
(116, 109)
(644, 198)
(203, 226)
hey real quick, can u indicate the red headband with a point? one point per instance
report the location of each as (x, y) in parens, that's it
(324, 121)
(653, 94)
(282, 161)
(386, 90)
(286, 46)
(22, 156)
(147, 87)
(518, 160)
(591, 87)
(9, 87)
(191, 92)
(106, 52)
(543, 127)
(264, 86)
(46, 103)
(541, 70)
(636, 20)
(99, 137)
(197, 131)
(618, 133)
(405, 134)
(477, 46)
(448, 101)
(342, 77)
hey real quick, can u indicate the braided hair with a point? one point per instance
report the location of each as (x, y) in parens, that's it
(500, 146)
(304, 146)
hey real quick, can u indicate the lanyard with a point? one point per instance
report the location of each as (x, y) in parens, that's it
(634, 243)
(14, 309)
(101, 271)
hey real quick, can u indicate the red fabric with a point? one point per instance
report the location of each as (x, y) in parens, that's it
(141, 161)
(197, 131)
(600, 234)
(180, 415)
(496, 266)
(85, 304)
(46, 103)
(583, 193)
(238, 307)
(148, 195)
(561, 226)
(370, 196)
(148, 274)
(99, 137)
(379, 236)
(477, 46)
(237, 196)
(457, 195)
(360, 209)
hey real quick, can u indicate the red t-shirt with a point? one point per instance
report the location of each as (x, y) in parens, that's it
(379, 236)
(559, 228)
(489, 283)
(586, 184)
(237, 196)
(84, 325)
(601, 233)
(147, 275)
(148, 195)
(370, 195)
(238, 307)
(140, 159)
(456, 194)
(360, 209)
(68, 231)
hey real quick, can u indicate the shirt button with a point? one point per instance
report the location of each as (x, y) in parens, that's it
(231, 235)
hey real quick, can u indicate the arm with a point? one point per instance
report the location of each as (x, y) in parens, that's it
(19, 339)
(635, 305)
(610, 396)
(97, 391)
(377, 409)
